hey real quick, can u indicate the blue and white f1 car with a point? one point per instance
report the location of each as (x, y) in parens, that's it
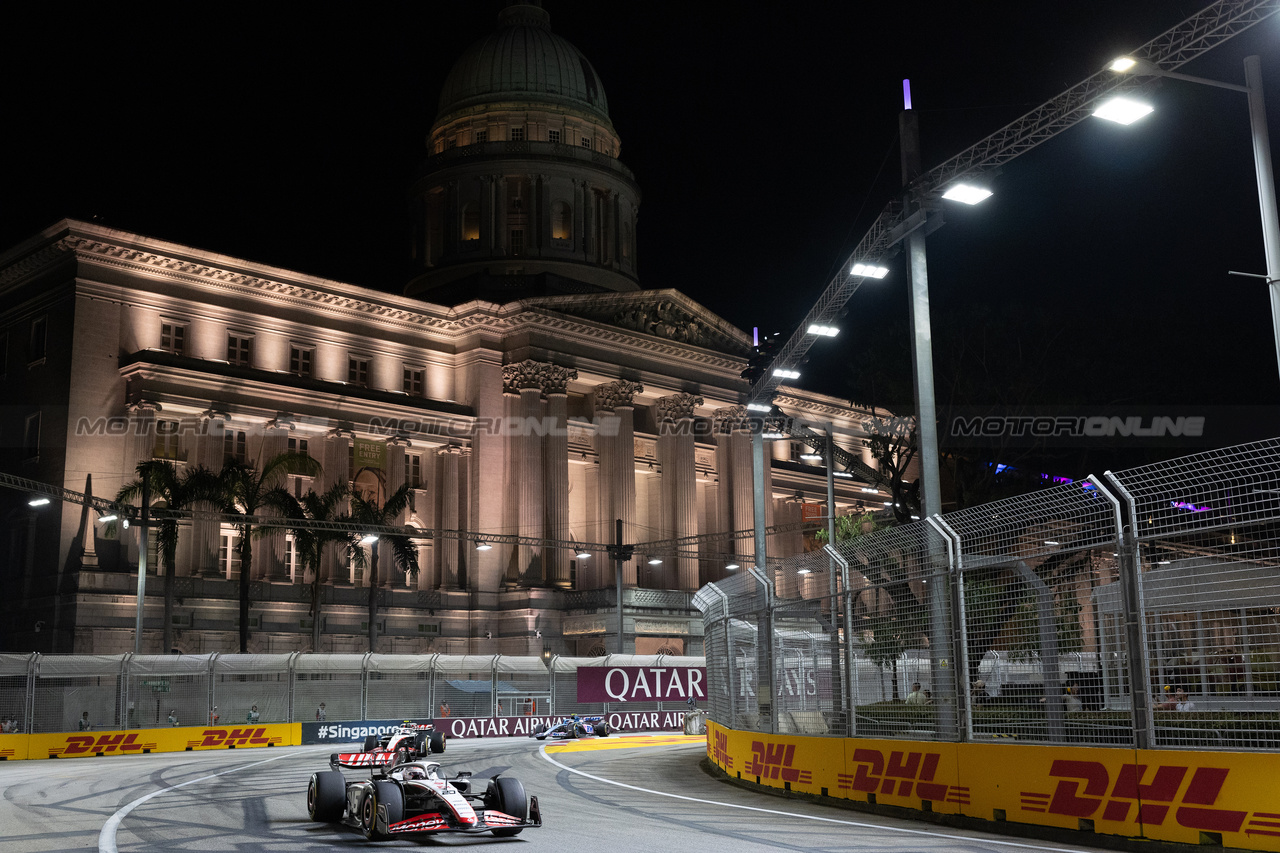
(573, 727)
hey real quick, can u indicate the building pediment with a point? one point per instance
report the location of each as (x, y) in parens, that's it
(666, 314)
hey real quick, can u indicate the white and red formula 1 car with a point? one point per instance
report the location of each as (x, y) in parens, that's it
(407, 741)
(413, 798)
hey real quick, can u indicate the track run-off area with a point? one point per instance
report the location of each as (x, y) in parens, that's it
(625, 794)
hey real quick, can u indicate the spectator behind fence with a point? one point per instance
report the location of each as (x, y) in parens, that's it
(85, 725)
(253, 715)
(915, 697)
(320, 713)
(1179, 702)
(445, 710)
(1071, 700)
(979, 692)
(173, 717)
(213, 716)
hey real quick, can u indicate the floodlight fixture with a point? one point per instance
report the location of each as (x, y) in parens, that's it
(583, 555)
(870, 270)
(1122, 110)
(369, 539)
(824, 331)
(482, 545)
(106, 518)
(811, 457)
(732, 566)
(802, 571)
(655, 561)
(759, 407)
(967, 193)
(843, 475)
(786, 373)
(1121, 64)
(38, 501)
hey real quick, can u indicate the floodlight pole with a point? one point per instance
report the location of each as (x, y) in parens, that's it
(143, 544)
(1266, 189)
(921, 331)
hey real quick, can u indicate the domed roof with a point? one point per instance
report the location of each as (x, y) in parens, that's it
(523, 60)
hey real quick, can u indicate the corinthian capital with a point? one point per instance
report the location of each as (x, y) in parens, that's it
(730, 418)
(678, 406)
(611, 395)
(518, 377)
(555, 379)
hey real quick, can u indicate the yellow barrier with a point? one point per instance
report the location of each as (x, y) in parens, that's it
(137, 742)
(13, 747)
(1166, 795)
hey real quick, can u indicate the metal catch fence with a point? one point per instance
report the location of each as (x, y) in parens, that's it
(1137, 609)
(58, 693)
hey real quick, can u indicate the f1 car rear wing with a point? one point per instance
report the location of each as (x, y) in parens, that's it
(361, 759)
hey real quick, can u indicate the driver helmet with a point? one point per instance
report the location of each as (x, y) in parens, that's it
(414, 771)
(575, 718)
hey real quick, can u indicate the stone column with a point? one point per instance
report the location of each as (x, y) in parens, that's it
(268, 553)
(500, 235)
(734, 439)
(680, 478)
(618, 463)
(529, 511)
(337, 449)
(205, 532)
(555, 455)
(448, 516)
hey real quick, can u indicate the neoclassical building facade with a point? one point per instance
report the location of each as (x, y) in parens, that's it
(524, 386)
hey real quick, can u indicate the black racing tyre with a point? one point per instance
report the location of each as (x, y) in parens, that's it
(508, 796)
(326, 796)
(436, 741)
(602, 729)
(370, 743)
(420, 743)
(389, 796)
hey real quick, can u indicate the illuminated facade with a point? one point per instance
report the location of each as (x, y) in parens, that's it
(524, 386)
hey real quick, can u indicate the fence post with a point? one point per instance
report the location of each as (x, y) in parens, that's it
(122, 691)
(288, 700)
(764, 656)
(1135, 634)
(29, 704)
(364, 685)
(211, 694)
(849, 699)
(946, 635)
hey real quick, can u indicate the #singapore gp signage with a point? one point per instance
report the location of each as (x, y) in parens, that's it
(642, 683)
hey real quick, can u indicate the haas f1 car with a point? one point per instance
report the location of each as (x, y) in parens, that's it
(573, 727)
(413, 798)
(407, 741)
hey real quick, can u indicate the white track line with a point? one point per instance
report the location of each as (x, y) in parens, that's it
(932, 833)
(107, 837)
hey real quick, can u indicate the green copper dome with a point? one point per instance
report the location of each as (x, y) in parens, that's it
(523, 61)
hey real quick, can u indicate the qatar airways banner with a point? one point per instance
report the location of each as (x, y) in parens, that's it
(641, 683)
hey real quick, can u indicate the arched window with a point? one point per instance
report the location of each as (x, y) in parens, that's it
(561, 221)
(470, 222)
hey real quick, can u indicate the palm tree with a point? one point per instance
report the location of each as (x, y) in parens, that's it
(367, 511)
(160, 482)
(246, 491)
(311, 542)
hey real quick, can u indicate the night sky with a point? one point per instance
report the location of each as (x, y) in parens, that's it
(764, 140)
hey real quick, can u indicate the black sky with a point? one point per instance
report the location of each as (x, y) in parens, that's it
(763, 137)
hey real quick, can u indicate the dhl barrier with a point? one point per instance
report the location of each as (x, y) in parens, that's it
(1221, 798)
(186, 738)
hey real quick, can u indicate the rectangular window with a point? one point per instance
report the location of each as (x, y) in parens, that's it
(414, 381)
(239, 349)
(586, 142)
(298, 446)
(451, 142)
(517, 241)
(39, 335)
(300, 360)
(173, 338)
(291, 562)
(31, 437)
(413, 470)
(553, 136)
(482, 136)
(166, 446)
(358, 371)
(235, 446)
(229, 555)
(517, 134)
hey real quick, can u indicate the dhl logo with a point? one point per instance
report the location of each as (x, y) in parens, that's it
(773, 761)
(102, 744)
(234, 737)
(720, 750)
(899, 775)
(1155, 794)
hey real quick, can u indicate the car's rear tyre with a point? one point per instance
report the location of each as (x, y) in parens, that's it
(370, 743)
(326, 796)
(602, 729)
(436, 741)
(507, 796)
(387, 794)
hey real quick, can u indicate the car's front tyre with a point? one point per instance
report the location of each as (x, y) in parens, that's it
(507, 796)
(326, 796)
(391, 798)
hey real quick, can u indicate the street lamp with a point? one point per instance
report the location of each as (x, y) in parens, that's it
(1261, 159)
